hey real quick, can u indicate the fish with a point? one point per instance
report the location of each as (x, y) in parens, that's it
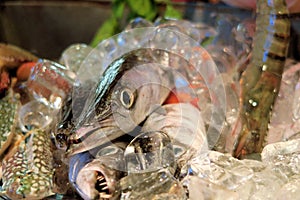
(9, 106)
(261, 80)
(183, 123)
(94, 174)
(131, 88)
(27, 168)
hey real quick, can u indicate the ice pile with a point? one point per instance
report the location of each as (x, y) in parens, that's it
(220, 176)
(273, 174)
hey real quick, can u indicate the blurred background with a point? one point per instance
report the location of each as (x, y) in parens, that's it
(46, 28)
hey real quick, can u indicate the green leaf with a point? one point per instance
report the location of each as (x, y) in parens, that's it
(171, 12)
(143, 8)
(118, 8)
(108, 29)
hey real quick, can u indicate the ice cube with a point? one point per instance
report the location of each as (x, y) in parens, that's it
(283, 157)
(152, 185)
(73, 56)
(149, 151)
(201, 189)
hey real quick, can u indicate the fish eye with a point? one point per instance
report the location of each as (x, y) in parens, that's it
(127, 98)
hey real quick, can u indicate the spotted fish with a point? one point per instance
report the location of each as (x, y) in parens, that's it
(8, 115)
(27, 168)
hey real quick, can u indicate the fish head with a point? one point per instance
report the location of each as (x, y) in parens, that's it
(129, 90)
(131, 87)
(95, 174)
(139, 92)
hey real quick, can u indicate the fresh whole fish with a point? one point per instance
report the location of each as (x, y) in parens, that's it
(131, 88)
(261, 80)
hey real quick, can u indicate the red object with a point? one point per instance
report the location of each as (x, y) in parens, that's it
(23, 71)
(181, 97)
(4, 81)
(171, 99)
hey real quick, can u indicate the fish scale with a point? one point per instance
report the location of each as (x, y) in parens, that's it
(8, 114)
(28, 170)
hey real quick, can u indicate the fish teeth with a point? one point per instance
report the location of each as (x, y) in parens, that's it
(105, 195)
(102, 184)
(105, 188)
(100, 178)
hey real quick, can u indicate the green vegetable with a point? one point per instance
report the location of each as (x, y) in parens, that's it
(143, 8)
(108, 29)
(171, 12)
(147, 9)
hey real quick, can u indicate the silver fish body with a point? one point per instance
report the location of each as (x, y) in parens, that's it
(183, 123)
(131, 88)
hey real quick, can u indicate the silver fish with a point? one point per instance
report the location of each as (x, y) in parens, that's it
(131, 88)
(183, 123)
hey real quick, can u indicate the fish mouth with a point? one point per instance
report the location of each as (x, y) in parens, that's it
(94, 135)
(97, 181)
(102, 187)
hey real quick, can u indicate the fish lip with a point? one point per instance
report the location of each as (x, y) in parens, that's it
(106, 128)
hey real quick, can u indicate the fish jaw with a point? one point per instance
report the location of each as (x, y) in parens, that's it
(96, 173)
(96, 176)
(95, 135)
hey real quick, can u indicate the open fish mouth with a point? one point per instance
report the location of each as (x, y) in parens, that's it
(96, 181)
(95, 174)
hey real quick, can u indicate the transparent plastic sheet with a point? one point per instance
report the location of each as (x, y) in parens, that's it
(201, 69)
